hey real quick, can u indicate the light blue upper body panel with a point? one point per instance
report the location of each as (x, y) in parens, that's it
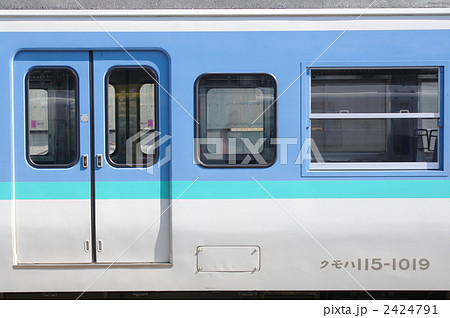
(285, 55)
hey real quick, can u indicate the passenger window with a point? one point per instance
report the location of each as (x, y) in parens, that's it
(375, 118)
(52, 112)
(132, 117)
(235, 116)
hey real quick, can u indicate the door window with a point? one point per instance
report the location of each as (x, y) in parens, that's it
(52, 111)
(132, 120)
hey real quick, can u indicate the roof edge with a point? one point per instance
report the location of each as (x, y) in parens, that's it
(109, 13)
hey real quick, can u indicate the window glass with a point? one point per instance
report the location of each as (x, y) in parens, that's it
(132, 125)
(111, 118)
(375, 116)
(147, 106)
(52, 117)
(236, 116)
(367, 140)
(374, 91)
(38, 121)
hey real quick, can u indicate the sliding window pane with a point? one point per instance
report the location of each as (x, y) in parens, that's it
(376, 140)
(375, 91)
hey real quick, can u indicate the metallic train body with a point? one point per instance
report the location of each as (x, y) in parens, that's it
(182, 226)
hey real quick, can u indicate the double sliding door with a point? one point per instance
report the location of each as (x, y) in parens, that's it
(88, 184)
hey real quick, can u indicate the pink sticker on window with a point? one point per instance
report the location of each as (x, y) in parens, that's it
(150, 123)
(33, 124)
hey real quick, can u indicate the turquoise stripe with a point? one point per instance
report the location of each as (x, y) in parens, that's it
(5, 191)
(132, 190)
(313, 189)
(231, 189)
(53, 190)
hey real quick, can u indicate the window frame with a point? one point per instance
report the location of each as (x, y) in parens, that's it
(385, 169)
(77, 117)
(197, 121)
(154, 74)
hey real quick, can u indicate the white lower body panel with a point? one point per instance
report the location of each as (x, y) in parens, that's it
(295, 242)
(132, 231)
(53, 231)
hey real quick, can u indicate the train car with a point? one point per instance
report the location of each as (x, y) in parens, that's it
(224, 150)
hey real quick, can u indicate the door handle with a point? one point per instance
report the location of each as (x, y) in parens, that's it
(99, 161)
(84, 161)
(87, 245)
(100, 245)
